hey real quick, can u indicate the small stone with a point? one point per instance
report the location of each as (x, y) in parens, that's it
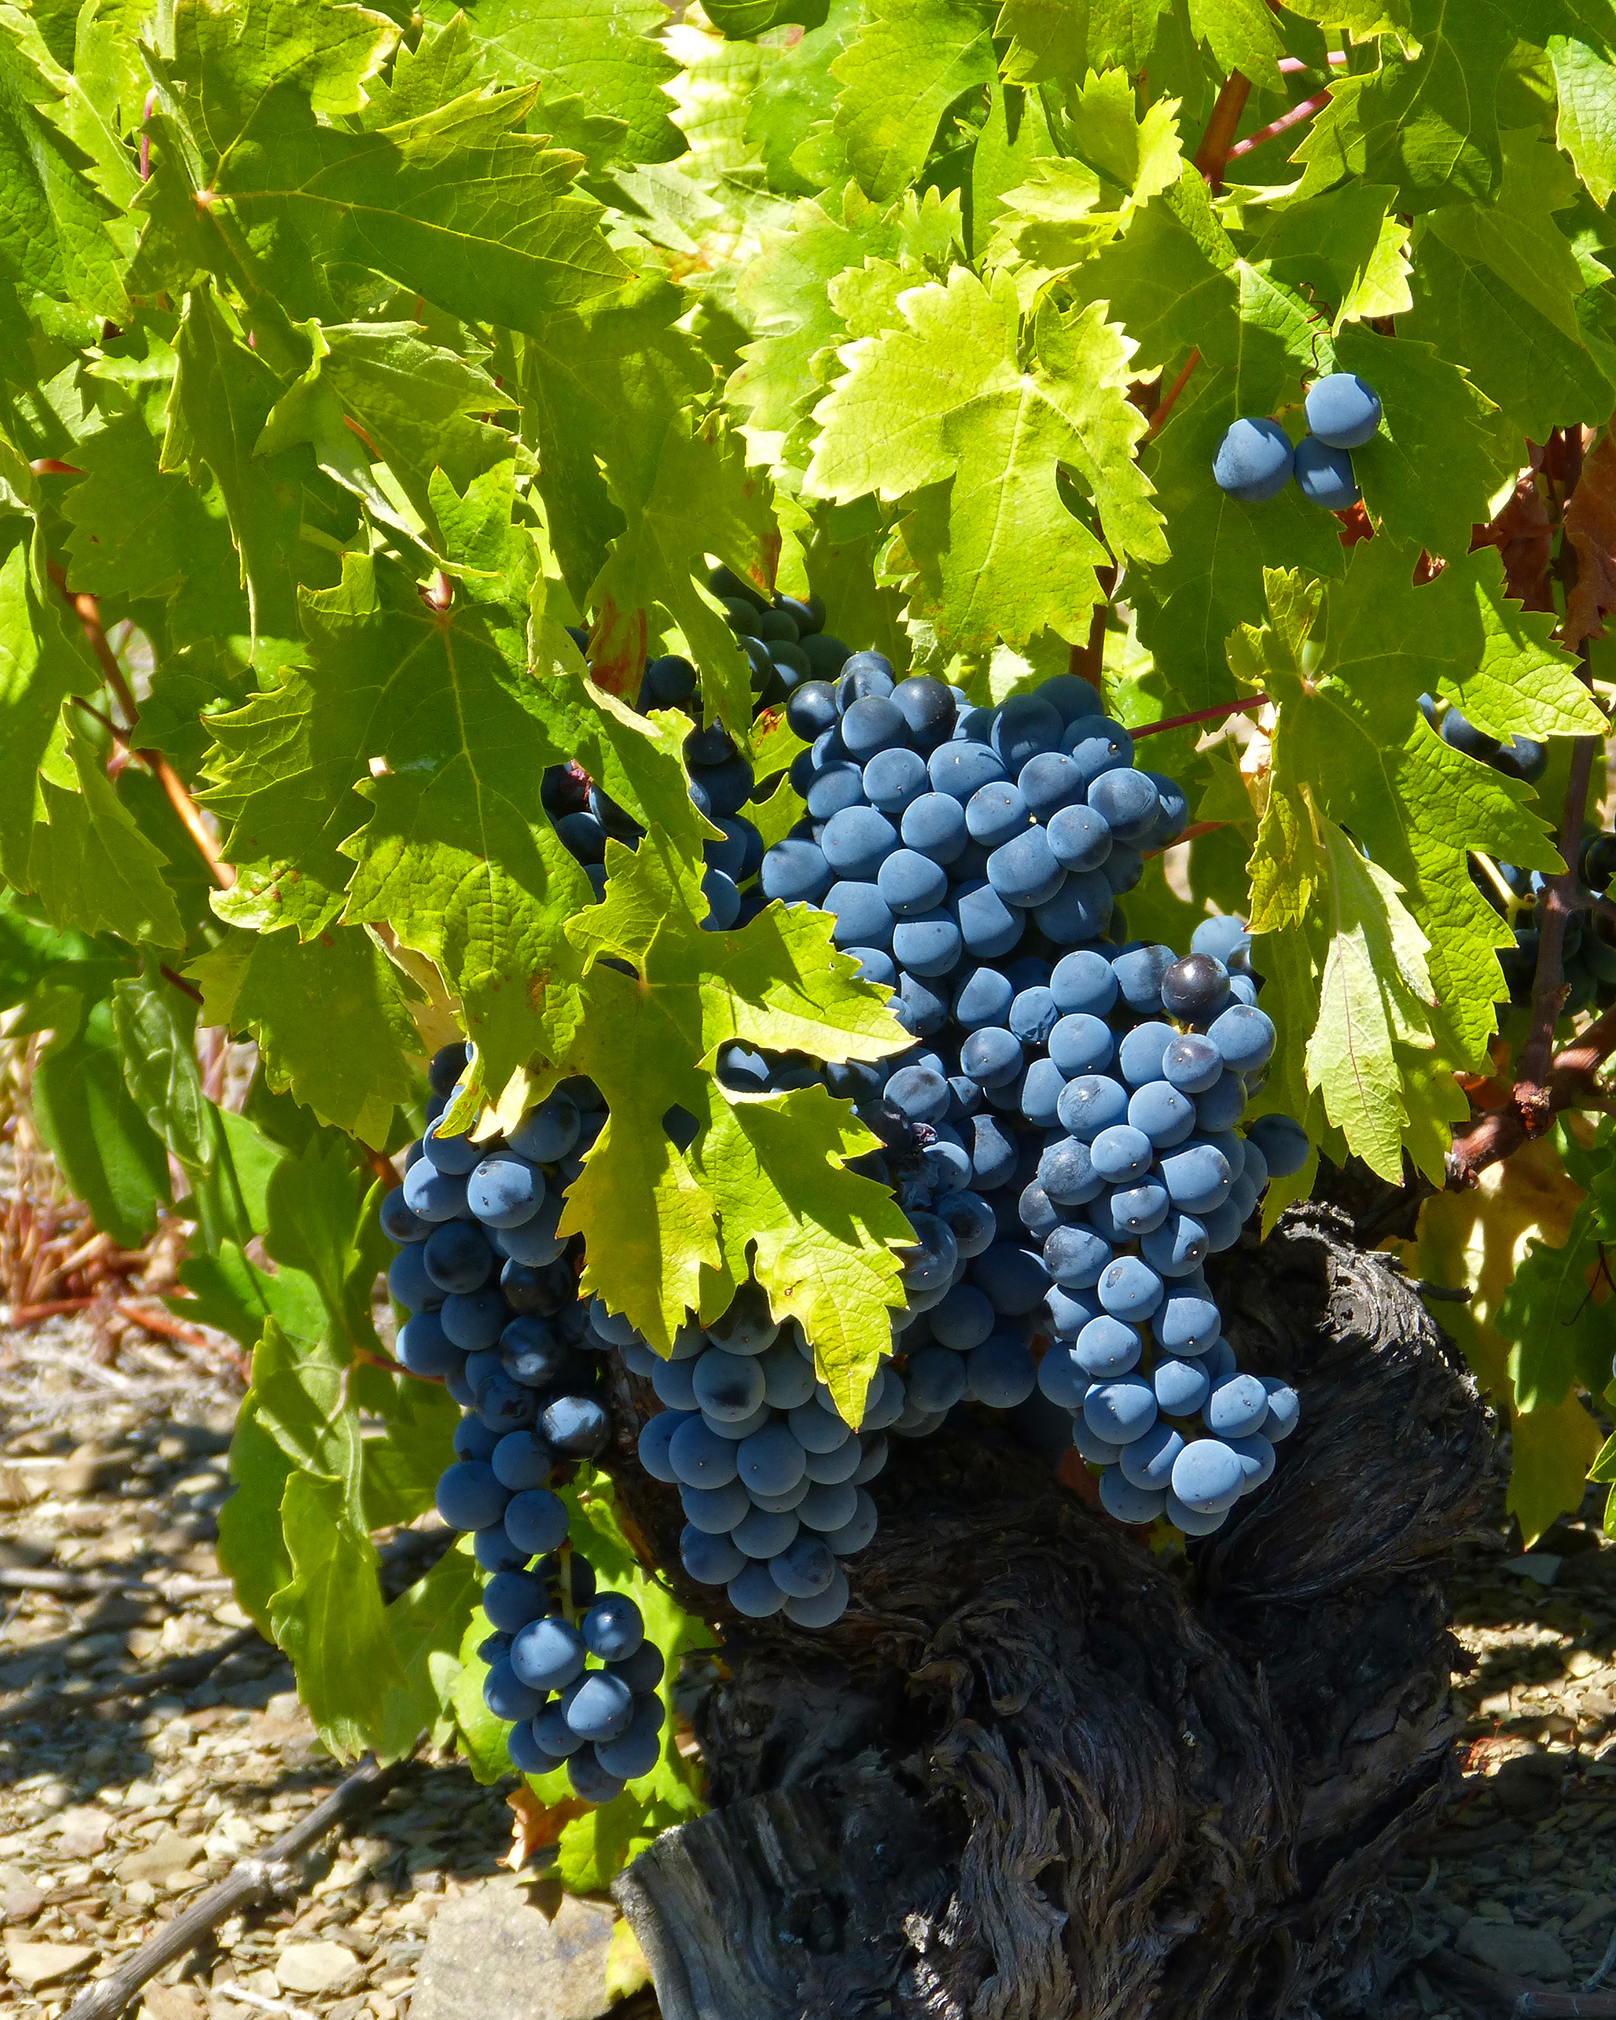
(82, 1833)
(1542, 1566)
(22, 1902)
(1503, 1946)
(490, 1952)
(285, 1705)
(161, 1860)
(1590, 1912)
(171, 2002)
(36, 1964)
(318, 1967)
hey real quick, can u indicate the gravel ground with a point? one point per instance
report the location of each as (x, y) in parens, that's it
(113, 1814)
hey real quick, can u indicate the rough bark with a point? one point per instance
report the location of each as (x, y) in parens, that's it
(1036, 1773)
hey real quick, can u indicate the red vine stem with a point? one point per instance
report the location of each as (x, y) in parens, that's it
(88, 612)
(1173, 392)
(1217, 714)
(1295, 117)
(1213, 152)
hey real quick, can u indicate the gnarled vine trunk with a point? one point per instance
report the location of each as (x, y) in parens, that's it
(1035, 1773)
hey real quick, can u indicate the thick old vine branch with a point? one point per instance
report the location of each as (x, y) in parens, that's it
(1569, 1083)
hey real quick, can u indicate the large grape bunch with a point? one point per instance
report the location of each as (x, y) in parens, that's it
(1062, 1134)
(495, 1315)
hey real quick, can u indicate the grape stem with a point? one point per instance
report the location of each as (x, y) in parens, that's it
(1173, 392)
(1213, 152)
(1275, 127)
(1569, 1083)
(1549, 988)
(1223, 709)
(88, 613)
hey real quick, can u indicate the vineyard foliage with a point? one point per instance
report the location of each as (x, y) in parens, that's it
(352, 354)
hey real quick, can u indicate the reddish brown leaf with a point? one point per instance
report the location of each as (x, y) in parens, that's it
(1356, 525)
(1590, 524)
(617, 650)
(535, 1824)
(1523, 534)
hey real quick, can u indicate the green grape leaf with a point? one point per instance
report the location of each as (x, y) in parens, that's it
(455, 204)
(91, 865)
(1515, 237)
(403, 1464)
(252, 1547)
(231, 1292)
(785, 291)
(999, 555)
(97, 1131)
(1242, 35)
(658, 1215)
(39, 669)
(1434, 420)
(331, 1017)
(1585, 84)
(1374, 995)
(609, 55)
(433, 719)
(1336, 249)
(330, 1618)
(1059, 40)
(180, 530)
(426, 1625)
(910, 61)
(55, 235)
(1351, 751)
(317, 1220)
(223, 395)
(1558, 1329)
(482, 1736)
(1426, 124)
(229, 1163)
(701, 499)
(233, 56)
(383, 392)
(445, 64)
(600, 390)
(1523, 363)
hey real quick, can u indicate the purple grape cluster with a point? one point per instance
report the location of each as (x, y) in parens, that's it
(771, 1479)
(574, 1674)
(1063, 1133)
(495, 1315)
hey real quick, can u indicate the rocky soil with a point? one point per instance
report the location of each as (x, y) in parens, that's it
(116, 1809)
(115, 1814)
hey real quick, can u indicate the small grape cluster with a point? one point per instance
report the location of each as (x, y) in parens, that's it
(1588, 949)
(786, 644)
(574, 1674)
(495, 1315)
(1062, 1134)
(1256, 459)
(771, 1479)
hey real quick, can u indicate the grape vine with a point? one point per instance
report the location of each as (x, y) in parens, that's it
(594, 585)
